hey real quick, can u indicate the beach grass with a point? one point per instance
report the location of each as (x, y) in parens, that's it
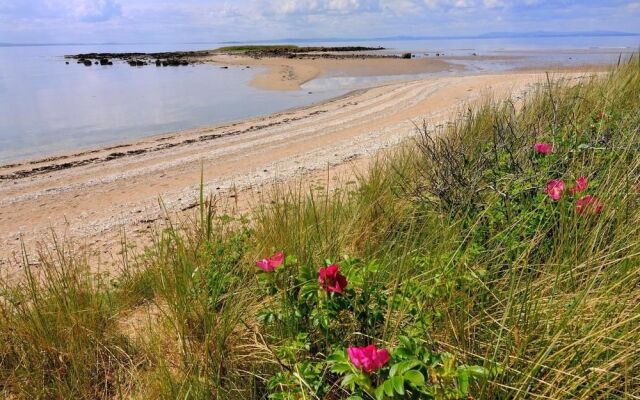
(457, 261)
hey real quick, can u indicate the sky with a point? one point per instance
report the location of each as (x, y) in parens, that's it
(187, 21)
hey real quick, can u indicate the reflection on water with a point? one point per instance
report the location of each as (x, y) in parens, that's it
(47, 106)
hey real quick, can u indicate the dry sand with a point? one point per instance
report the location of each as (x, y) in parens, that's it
(93, 196)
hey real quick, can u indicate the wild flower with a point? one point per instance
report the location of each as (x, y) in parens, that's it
(270, 263)
(554, 189)
(369, 358)
(543, 148)
(589, 203)
(331, 279)
(581, 185)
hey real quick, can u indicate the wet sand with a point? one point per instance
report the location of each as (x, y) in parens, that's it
(94, 196)
(290, 74)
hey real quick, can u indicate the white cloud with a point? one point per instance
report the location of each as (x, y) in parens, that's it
(448, 4)
(229, 11)
(493, 3)
(633, 6)
(201, 20)
(71, 10)
(463, 3)
(97, 10)
(323, 6)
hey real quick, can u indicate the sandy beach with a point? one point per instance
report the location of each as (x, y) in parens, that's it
(94, 196)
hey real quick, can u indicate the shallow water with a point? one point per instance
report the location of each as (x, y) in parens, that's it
(48, 107)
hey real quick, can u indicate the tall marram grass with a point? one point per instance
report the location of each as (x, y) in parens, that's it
(468, 253)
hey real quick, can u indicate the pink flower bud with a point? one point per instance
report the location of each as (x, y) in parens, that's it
(271, 263)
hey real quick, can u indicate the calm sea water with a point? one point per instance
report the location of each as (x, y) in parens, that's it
(48, 107)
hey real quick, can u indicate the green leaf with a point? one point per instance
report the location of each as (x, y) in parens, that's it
(406, 342)
(402, 367)
(478, 372)
(388, 388)
(414, 377)
(341, 368)
(398, 384)
(324, 321)
(463, 381)
(379, 392)
(289, 260)
(336, 356)
(349, 380)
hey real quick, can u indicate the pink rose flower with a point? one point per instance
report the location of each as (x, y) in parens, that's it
(554, 189)
(581, 185)
(368, 359)
(271, 263)
(589, 203)
(543, 148)
(331, 279)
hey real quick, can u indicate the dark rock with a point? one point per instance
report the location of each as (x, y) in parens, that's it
(406, 55)
(437, 54)
(96, 63)
(87, 63)
(225, 67)
(104, 61)
(184, 62)
(67, 62)
(132, 63)
(140, 63)
(158, 63)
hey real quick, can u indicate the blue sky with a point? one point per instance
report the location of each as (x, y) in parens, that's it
(171, 21)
